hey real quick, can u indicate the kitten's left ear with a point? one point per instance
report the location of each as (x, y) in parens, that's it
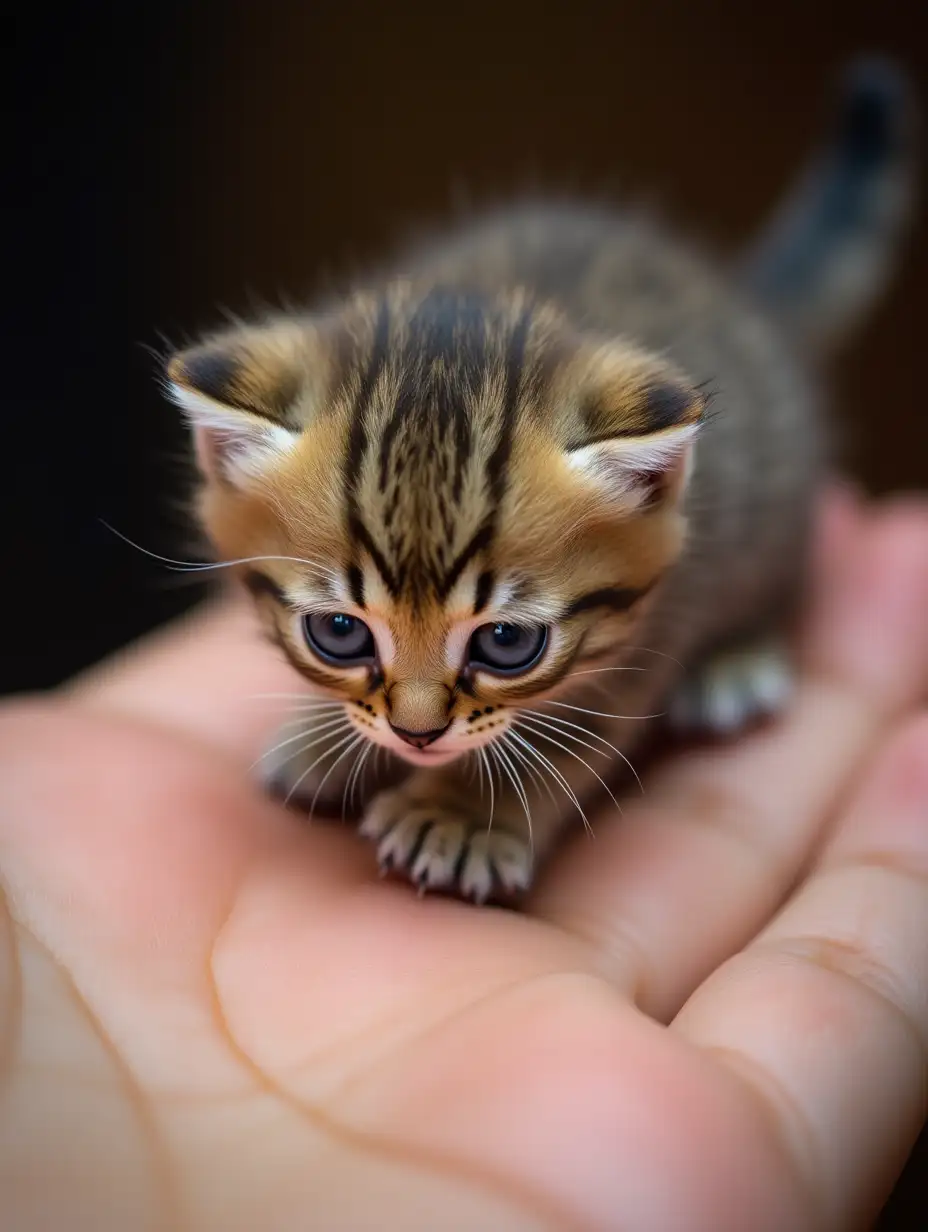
(641, 431)
(237, 391)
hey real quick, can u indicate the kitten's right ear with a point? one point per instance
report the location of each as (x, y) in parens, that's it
(641, 418)
(237, 392)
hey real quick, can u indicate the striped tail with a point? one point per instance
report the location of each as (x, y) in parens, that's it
(833, 243)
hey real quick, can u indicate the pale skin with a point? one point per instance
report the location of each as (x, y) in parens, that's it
(711, 1016)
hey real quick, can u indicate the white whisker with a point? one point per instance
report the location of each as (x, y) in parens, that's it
(558, 777)
(513, 775)
(523, 760)
(660, 654)
(357, 740)
(351, 781)
(307, 719)
(365, 766)
(602, 714)
(583, 762)
(322, 756)
(593, 671)
(486, 764)
(307, 731)
(555, 718)
(543, 721)
(197, 566)
(306, 699)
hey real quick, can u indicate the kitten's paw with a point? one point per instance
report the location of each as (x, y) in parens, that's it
(436, 849)
(732, 690)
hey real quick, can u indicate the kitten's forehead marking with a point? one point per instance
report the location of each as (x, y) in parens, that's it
(411, 436)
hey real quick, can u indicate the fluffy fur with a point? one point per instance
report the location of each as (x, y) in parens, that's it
(561, 421)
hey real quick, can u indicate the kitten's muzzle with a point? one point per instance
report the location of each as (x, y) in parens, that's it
(419, 740)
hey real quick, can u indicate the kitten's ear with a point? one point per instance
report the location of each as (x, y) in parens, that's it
(237, 392)
(640, 427)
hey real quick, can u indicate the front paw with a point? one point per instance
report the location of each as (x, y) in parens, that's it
(438, 848)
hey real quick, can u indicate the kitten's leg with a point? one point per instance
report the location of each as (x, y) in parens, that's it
(733, 688)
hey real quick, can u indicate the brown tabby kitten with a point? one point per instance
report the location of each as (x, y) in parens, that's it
(547, 480)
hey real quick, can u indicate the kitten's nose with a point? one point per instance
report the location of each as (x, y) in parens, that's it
(419, 740)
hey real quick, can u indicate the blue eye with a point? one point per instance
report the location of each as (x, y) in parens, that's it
(339, 638)
(507, 648)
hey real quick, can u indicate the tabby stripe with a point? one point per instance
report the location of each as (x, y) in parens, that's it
(356, 585)
(498, 463)
(362, 537)
(260, 584)
(478, 542)
(618, 598)
(357, 440)
(484, 590)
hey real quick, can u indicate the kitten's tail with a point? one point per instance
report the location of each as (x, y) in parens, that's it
(833, 243)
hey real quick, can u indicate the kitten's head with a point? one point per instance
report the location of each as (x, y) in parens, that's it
(448, 503)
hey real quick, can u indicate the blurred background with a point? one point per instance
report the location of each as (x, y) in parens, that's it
(166, 162)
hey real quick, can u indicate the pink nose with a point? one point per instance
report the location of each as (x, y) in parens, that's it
(419, 740)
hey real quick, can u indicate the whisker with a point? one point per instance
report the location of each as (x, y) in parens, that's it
(583, 762)
(306, 719)
(360, 758)
(542, 721)
(523, 760)
(556, 718)
(470, 762)
(308, 731)
(513, 776)
(486, 762)
(198, 566)
(312, 707)
(558, 777)
(660, 654)
(593, 671)
(322, 756)
(365, 766)
(341, 757)
(306, 699)
(603, 714)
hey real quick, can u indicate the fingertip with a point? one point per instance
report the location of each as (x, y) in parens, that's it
(840, 514)
(866, 623)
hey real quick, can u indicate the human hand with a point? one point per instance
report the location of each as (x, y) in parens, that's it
(712, 1016)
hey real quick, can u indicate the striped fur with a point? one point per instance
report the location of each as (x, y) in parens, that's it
(557, 416)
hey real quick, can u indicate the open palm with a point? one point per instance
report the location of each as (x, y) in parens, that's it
(712, 1015)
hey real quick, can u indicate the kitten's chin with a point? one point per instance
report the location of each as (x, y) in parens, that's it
(425, 757)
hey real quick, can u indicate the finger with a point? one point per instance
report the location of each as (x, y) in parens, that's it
(824, 1018)
(206, 675)
(693, 869)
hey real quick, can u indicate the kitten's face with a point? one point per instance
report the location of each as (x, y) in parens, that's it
(448, 505)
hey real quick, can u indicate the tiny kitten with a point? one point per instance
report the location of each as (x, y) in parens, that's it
(549, 478)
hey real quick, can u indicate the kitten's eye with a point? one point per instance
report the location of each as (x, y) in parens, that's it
(507, 648)
(339, 638)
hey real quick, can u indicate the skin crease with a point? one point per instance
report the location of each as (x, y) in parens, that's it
(712, 1016)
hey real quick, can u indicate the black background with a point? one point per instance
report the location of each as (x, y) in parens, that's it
(163, 162)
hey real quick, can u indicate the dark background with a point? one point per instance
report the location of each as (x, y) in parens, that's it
(165, 161)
